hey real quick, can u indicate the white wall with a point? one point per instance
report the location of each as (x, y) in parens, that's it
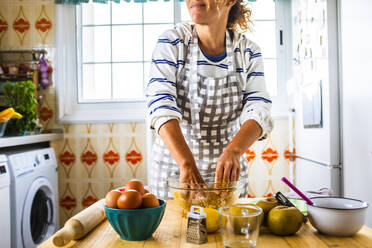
(356, 62)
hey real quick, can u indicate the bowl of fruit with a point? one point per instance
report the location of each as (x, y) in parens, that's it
(133, 212)
(208, 195)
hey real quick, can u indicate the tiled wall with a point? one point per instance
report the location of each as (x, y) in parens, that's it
(93, 158)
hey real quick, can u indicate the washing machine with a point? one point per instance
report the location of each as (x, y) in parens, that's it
(4, 203)
(34, 197)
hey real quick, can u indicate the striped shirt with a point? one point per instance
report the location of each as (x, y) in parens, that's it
(169, 58)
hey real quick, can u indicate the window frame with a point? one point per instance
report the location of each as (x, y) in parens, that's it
(280, 106)
(70, 110)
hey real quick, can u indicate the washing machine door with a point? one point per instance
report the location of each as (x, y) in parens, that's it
(39, 216)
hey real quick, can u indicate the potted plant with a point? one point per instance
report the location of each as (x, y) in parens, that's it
(21, 97)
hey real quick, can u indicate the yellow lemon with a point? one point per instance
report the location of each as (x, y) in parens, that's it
(212, 219)
(176, 195)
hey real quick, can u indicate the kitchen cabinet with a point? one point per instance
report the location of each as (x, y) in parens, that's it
(172, 233)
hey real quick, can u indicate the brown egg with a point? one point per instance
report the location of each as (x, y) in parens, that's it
(149, 201)
(129, 199)
(111, 198)
(135, 185)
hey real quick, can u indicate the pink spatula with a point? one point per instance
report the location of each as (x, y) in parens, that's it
(295, 189)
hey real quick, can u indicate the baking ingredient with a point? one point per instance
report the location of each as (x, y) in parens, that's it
(135, 185)
(284, 220)
(111, 198)
(129, 199)
(207, 196)
(149, 201)
(267, 204)
(212, 219)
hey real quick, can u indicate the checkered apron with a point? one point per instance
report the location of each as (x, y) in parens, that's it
(210, 119)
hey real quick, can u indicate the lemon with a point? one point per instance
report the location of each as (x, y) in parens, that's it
(212, 219)
(176, 195)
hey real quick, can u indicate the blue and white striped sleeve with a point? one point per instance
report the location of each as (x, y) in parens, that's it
(256, 100)
(161, 90)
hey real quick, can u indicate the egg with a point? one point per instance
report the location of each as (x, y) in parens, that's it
(149, 201)
(129, 199)
(135, 185)
(111, 198)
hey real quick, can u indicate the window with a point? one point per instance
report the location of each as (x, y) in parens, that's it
(104, 56)
(110, 72)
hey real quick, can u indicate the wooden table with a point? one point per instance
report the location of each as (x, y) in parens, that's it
(172, 233)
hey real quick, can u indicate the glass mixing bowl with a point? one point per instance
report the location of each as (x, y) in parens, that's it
(208, 195)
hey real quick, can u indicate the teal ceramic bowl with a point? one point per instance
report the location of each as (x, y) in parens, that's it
(135, 224)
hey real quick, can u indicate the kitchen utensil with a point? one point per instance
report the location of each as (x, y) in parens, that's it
(80, 224)
(196, 226)
(295, 189)
(209, 195)
(135, 224)
(337, 216)
(282, 200)
(240, 225)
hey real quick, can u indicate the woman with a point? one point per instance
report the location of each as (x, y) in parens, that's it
(206, 96)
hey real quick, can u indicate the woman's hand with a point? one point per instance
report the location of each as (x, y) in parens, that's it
(189, 173)
(228, 166)
(190, 177)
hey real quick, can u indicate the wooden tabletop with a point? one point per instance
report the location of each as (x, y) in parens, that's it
(172, 233)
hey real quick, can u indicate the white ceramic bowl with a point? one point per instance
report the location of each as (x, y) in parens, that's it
(337, 216)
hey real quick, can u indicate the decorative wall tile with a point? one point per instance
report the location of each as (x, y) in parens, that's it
(5, 26)
(44, 24)
(21, 25)
(111, 157)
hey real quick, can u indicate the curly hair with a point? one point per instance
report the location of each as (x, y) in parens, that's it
(239, 17)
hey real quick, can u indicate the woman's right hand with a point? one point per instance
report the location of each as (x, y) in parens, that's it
(190, 174)
(190, 178)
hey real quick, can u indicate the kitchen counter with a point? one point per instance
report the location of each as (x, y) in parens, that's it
(172, 233)
(29, 139)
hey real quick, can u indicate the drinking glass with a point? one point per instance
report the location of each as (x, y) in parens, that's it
(240, 225)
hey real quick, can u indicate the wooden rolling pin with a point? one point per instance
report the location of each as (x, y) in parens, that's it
(80, 224)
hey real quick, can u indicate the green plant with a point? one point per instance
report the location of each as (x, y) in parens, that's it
(21, 96)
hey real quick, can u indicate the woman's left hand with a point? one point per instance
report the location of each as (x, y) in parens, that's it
(228, 166)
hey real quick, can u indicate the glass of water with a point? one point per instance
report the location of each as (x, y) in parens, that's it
(240, 225)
